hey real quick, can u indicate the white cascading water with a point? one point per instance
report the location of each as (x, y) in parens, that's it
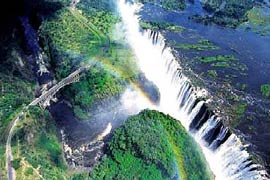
(225, 153)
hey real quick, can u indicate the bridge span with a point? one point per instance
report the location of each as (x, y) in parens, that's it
(44, 101)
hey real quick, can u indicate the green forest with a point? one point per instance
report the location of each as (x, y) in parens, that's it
(152, 145)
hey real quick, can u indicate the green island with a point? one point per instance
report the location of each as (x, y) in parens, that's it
(246, 14)
(265, 90)
(161, 26)
(222, 61)
(152, 145)
(241, 109)
(172, 5)
(258, 20)
(212, 73)
(218, 58)
(230, 13)
(202, 45)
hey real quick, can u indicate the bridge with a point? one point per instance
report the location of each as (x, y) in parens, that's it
(43, 101)
(47, 96)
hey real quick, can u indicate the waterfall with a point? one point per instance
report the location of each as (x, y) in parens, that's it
(224, 152)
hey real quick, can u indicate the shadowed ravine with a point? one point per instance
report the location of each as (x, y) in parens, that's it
(224, 152)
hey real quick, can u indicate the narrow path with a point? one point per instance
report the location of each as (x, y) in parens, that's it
(88, 25)
(10, 171)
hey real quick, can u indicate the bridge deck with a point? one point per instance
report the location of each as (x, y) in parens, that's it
(47, 95)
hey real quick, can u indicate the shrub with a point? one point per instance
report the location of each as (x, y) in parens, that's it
(16, 163)
(265, 90)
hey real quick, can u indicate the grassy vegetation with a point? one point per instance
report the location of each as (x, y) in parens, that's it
(98, 83)
(221, 65)
(212, 73)
(175, 5)
(71, 31)
(119, 59)
(2, 159)
(243, 87)
(202, 45)
(104, 80)
(258, 16)
(258, 20)
(265, 90)
(103, 21)
(76, 36)
(218, 58)
(240, 109)
(161, 26)
(80, 176)
(222, 61)
(230, 13)
(14, 94)
(94, 6)
(36, 149)
(165, 151)
(16, 87)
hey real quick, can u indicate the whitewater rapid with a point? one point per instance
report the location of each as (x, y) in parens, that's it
(224, 152)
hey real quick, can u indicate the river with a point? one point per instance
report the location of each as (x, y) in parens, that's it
(226, 155)
(250, 48)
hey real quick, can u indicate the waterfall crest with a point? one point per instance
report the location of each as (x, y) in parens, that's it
(225, 153)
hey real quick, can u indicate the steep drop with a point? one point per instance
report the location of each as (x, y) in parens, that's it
(225, 153)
